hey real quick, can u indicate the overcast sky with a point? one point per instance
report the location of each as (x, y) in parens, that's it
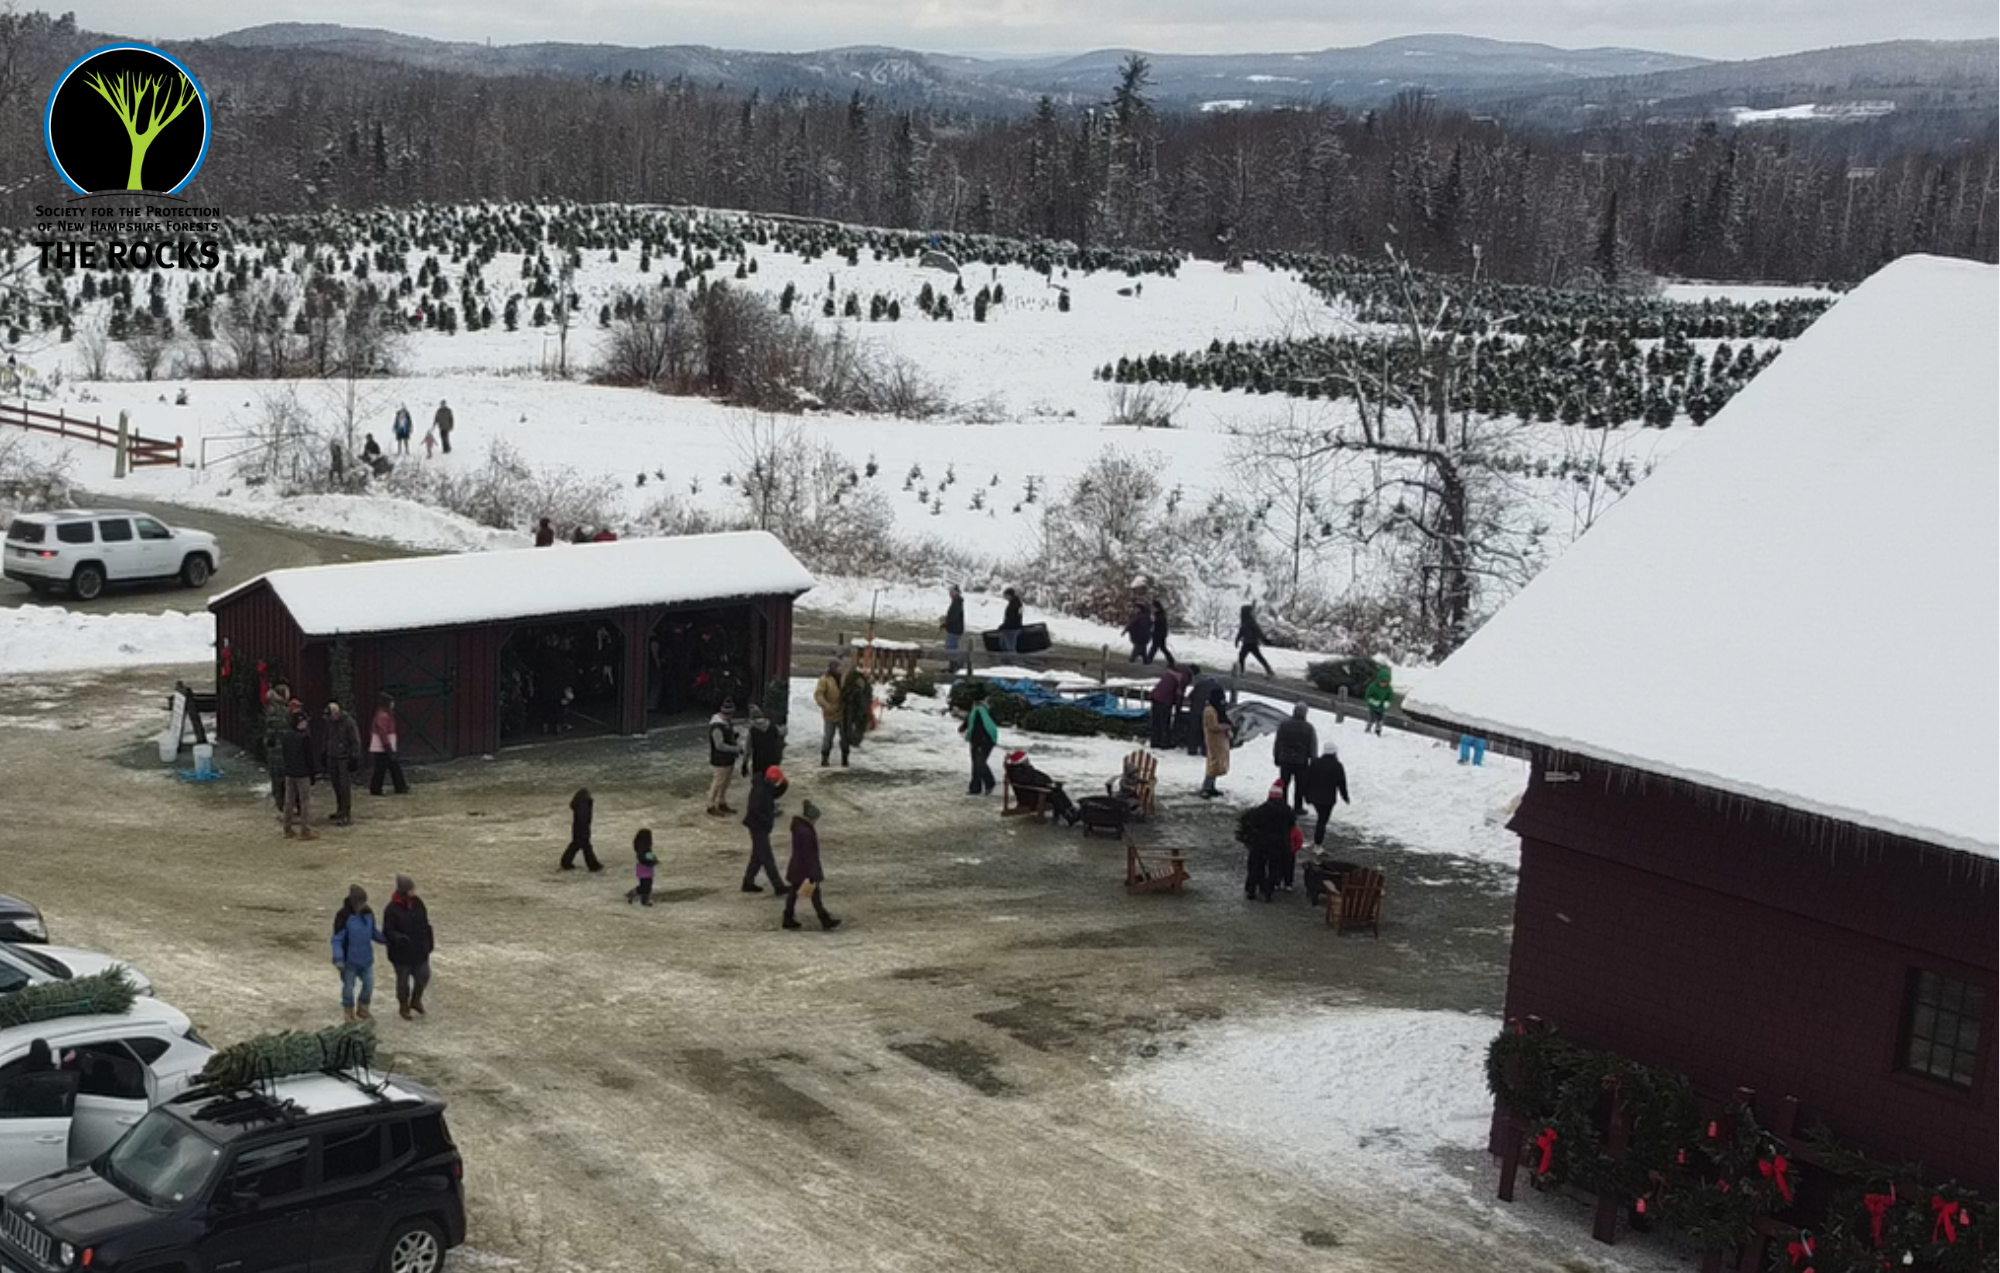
(1703, 28)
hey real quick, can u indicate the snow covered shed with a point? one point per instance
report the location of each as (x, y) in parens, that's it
(1760, 837)
(485, 649)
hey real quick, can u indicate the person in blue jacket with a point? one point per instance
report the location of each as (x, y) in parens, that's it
(355, 937)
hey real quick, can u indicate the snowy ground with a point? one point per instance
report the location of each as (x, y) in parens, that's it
(39, 639)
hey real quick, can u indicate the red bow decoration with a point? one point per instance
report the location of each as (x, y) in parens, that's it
(1945, 1216)
(1773, 1169)
(1877, 1204)
(1712, 1131)
(1546, 1142)
(1800, 1250)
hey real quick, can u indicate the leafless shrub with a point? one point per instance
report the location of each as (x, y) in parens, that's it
(281, 444)
(811, 496)
(671, 515)
(31, 479)
(93, 349)
(147, 348)
(1144, 406)
(507, 493)
(1105, 540)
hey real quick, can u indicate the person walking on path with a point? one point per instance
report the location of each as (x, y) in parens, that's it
(1159, 645)
(581, 806)
(545, 534)
(1215, 731)
(804, 871)
(406, 931)
(342, 758)
(355, 938)
(1165, 698)
(766, 749)
(277, 724)
(724, 750)
(1271, 826)
(1250, 640)
(1293, 751)
(1378, 695)
(1325, 785)
(982, 735)
(382, 747)
(826, 697)
(301, 764)
(953, 624)
(442, 422)
(643, 865)
(402, 429)
(857, 700)
(1010, 622)
(760, 815)
(1139, 627)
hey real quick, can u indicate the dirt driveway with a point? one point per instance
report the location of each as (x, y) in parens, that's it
(689, 1087)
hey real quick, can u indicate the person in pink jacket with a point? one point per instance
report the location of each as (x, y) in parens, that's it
(382, 746)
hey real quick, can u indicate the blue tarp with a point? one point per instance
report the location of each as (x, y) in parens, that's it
(1039, 695)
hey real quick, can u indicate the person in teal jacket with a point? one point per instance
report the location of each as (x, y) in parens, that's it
(355, 937)
(982, 735)
(1377, 695)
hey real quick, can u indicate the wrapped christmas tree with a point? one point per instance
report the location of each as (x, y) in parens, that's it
(107, 993)
(272, 1056)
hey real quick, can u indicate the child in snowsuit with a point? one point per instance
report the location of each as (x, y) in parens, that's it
(642, 868)
(580, 808)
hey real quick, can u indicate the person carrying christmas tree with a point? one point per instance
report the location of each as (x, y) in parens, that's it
(642, 868)
(857, 700)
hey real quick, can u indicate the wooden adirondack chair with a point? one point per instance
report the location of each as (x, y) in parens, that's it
(1154, 870)
(1037, 802)
(1148, 766)
(1357, 902)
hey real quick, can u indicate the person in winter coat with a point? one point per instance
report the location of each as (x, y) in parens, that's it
(1159, 645)
(301, 765)
(1324, 786)
(724, 750)
(443, 422)
(1378, 695)
(643, 864)
(804, 872)
(760, 817)
(355, 938)
(1250, 640)
(982, 735)
(1292, 751)
(545, 534)
(402, 429)
(277, 724)
(953, 624)
(1165, 698)
(581, 806)
(1271, 828)
(1021, 772)
(857, 699)
(1215, 735)
(826, 697)
(766, 747)
(406, 931)
(382, 746)
(1010, 622)
(341, 757)
(1200, 690)
(1139, 627)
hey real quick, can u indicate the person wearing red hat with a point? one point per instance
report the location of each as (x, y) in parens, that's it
(1021, 772)
(760, 815)
(1271, 826)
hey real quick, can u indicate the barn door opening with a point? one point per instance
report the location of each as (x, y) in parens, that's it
(561, 678)
(417, 672)
(697, 658)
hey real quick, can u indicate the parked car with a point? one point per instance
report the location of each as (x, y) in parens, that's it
(84, 550)
(108, 1071)
(21, 921)
(35, 965)
(323, 1171)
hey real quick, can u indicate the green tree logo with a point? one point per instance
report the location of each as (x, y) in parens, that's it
(132, 93)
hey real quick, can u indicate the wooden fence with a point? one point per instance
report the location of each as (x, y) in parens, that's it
(140, 451)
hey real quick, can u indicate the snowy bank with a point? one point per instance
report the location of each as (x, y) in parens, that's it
(53, 639)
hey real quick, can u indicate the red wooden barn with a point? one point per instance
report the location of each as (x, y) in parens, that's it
(1759, 841)
(481, 650)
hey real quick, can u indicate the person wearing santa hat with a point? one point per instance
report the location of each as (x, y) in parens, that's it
(1271, 826)
(1021, 772)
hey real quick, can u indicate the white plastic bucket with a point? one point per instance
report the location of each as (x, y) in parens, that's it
(204, 760)
(170, 749)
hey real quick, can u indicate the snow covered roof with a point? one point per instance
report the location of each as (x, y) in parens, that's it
(1802, 605)
(522, 583)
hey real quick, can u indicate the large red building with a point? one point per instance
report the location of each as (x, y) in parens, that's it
(1760, 839)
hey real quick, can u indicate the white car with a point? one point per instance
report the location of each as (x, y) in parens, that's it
(108, 1071)
(85, 549)
(36, 965)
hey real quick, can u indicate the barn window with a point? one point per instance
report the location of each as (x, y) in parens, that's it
(1941, 1031)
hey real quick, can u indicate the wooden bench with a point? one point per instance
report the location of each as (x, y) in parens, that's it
(1357, 902)
(1037, 802)
(1154, 870)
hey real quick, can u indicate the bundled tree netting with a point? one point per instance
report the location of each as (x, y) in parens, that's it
(108, 993)
(271, 1056)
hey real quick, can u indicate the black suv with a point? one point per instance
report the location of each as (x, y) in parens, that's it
(325, 1173)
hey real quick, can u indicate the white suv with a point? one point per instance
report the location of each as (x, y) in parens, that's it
(23, 966)
(85, 549)
(109, 1070)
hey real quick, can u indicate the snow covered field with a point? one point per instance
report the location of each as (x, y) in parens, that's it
(40, 639)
